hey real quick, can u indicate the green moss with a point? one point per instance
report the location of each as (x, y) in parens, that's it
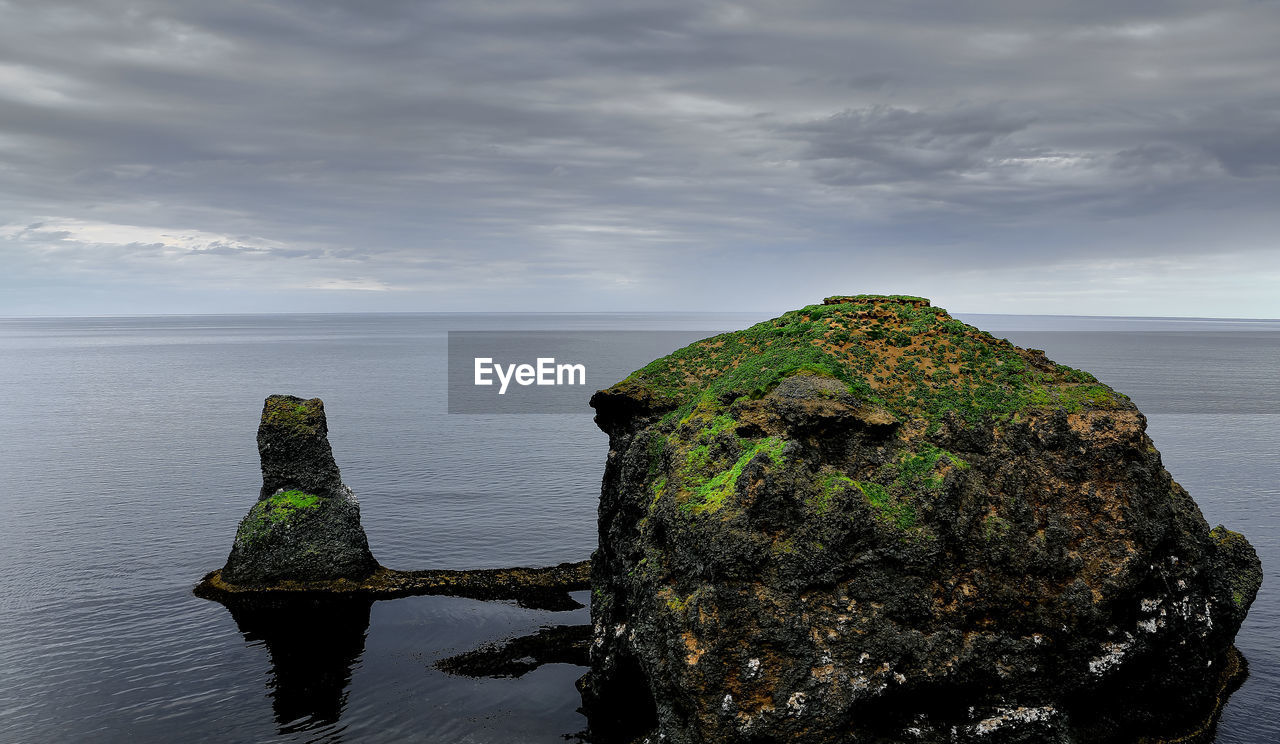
(1240, 555)
(657, 445)
(995, 527)
(897, 352)
(675, 602)
(833, 485)
(891, 510)
(877, 495)
(919, 468)
(915, 468)
(1226, 538)
(873, 298)
(290, 500)
(708, 492)
(812, 370)
(659, 489)
(718, 425)
(273, 511)
(1076, 397)
(695, 470)
(300, 416)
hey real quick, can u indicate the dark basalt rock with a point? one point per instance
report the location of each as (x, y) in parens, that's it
(306, 524)
(293, 445)
(302, 540)
(543, 588)
(865, 521)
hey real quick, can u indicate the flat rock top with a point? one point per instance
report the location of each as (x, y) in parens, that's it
(293, 443)
(896, 352)
(295, 415)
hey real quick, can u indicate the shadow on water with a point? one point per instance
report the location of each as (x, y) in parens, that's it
(313, 644)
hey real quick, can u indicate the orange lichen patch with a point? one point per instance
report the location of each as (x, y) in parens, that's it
(1112, 500)
(913, 359)
(752, 687)
(958, 597)
(693, 649)
(752, 700)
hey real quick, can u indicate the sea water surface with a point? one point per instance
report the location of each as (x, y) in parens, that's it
(128, 455)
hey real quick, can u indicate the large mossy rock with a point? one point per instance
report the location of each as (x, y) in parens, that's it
(865, 521)
(305, 526)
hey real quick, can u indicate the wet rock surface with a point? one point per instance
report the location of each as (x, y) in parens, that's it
(543, 588)
(865, 521)
(306, 524)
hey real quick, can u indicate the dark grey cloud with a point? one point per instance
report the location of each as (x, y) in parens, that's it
(569, 154)
(885, 144)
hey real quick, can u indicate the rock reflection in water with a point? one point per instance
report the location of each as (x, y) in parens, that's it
(516, 657)
(313, 644)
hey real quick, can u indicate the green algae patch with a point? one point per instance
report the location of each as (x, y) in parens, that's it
(293, 414)
(894, 351)
(1245, 571)
(887, 508)
(995, 528)
(674, 601)
(290, 501)
(833, 486)
(274, 511)
(841, 299)
(659, 489)
(708, 492)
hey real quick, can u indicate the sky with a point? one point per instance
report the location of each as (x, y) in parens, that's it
(1094, 157)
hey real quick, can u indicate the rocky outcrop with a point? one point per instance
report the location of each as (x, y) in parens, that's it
(293, 447)
(542, 588)
(303, 538)
(865, 521)
(306, 524)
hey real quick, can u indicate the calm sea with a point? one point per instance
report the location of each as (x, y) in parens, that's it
(127, 456)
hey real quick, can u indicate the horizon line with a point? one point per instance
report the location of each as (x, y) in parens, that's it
(597, 312)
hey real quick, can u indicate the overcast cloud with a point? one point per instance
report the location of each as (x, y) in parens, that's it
(1117, 157)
